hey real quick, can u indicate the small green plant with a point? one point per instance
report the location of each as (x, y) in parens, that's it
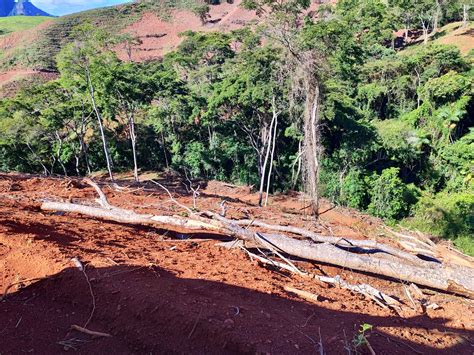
(360, 339)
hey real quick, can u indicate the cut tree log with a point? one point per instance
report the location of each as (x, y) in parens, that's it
(174, 223)
(102, 198)
(379, 297)
(343, 242)
(448, 278)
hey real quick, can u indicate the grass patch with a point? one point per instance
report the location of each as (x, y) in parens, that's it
(20, 23)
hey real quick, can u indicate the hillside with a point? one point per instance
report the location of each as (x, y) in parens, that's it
(157, 24)
(209, 179)
(450, 34)
(31, 43)
(455, 34)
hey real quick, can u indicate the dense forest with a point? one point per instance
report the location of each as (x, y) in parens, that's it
(330, 103)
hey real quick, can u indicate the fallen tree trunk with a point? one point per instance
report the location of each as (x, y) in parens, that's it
(435, 275)
(453, 279)
(119, 215)
(343, 242)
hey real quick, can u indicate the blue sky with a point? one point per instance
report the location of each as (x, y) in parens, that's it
(63, 7)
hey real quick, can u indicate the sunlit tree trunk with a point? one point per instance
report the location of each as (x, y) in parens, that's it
(465, 15)
(83, 143)
(295, 176)
(273, 142)
(101, 126)
(312, 142)
(425, 31)
(263, 167)
(58, 153)
(437, 15)
(275, 129)
(133, 140)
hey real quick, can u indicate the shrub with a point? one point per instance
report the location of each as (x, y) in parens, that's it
(391, 199)
(446, 215)
(194, 158)
(354, 190)
(329, 186)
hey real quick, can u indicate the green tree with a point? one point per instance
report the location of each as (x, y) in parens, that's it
(83, 64)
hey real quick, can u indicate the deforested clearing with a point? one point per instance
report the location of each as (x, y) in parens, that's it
(180, 291)
(248, 176)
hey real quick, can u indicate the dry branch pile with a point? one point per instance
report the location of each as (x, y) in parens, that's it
(361, 255)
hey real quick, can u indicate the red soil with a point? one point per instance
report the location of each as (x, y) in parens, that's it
(154, 293)
(5, 77)
(8, 46)
(463, 38)
(11, 81)
(160, 36)
(10, 42)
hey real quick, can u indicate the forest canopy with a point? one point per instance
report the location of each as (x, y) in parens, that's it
(383, 129)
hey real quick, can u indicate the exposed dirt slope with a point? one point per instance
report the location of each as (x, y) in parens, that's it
(36, 48)
(157, 294)
(159, 36)
(461, 37)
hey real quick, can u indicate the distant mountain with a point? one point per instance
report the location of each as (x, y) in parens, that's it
(6, 6)
(20, 8)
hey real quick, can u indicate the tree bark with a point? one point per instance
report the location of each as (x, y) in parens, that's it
(83, 144)
(60, 148)
(312, 142)
(173, 223)
(345, 243)
(465, 15)
(425, 35)
(263, 168)
(275, 115)
(101, 126)
(437, 16)
(133, 140)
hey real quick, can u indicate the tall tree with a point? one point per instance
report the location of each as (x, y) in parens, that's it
(305, 66)
(83, 64)
(128, 89)
(249, 95)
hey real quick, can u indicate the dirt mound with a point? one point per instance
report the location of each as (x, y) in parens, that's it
(153, 293)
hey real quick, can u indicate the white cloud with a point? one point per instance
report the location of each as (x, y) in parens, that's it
(62, 7)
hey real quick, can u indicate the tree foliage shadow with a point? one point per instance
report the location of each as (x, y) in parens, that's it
(149, 309)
